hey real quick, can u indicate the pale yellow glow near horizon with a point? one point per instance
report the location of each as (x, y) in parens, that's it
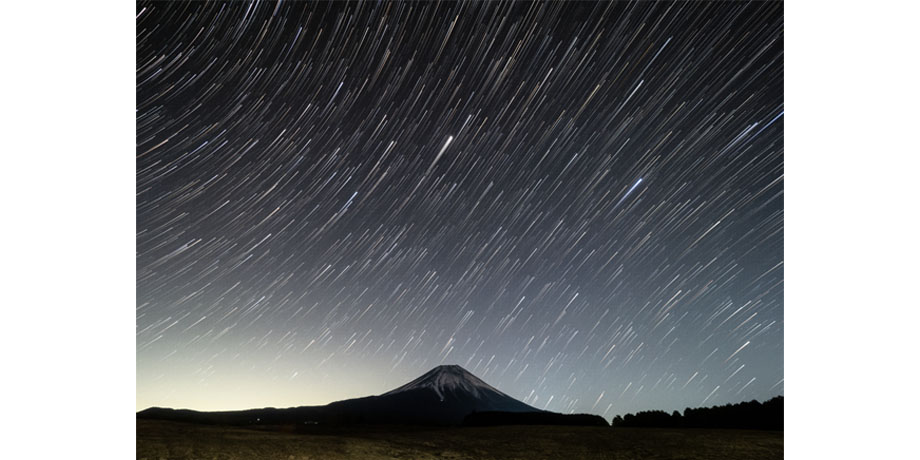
(186, 392)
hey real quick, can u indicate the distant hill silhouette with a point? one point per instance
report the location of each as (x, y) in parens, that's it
(749, 415)
(532, 418)
(443, 396)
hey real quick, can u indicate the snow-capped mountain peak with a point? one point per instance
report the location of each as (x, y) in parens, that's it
(448, 379)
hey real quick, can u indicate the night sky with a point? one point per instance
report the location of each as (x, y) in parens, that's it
(581, 203)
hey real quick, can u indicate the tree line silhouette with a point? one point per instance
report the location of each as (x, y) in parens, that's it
(747, 415)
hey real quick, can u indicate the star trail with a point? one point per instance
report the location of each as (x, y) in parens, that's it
(579, 202)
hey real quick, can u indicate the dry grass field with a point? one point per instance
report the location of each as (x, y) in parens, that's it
(174, 440)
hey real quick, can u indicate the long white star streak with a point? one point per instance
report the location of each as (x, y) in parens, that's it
(628, 192)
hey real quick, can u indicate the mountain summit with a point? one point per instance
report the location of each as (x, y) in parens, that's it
(443, 395)
(449, 380)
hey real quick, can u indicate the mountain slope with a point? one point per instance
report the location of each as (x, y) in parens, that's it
(443, 395)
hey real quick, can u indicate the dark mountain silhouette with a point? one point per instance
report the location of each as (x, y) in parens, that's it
(443, 395)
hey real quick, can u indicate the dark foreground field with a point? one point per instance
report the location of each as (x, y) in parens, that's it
(174, 440)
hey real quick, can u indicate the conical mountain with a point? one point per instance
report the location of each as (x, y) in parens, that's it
(445, 394)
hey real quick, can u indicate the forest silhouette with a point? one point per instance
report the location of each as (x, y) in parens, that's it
(747, 415)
